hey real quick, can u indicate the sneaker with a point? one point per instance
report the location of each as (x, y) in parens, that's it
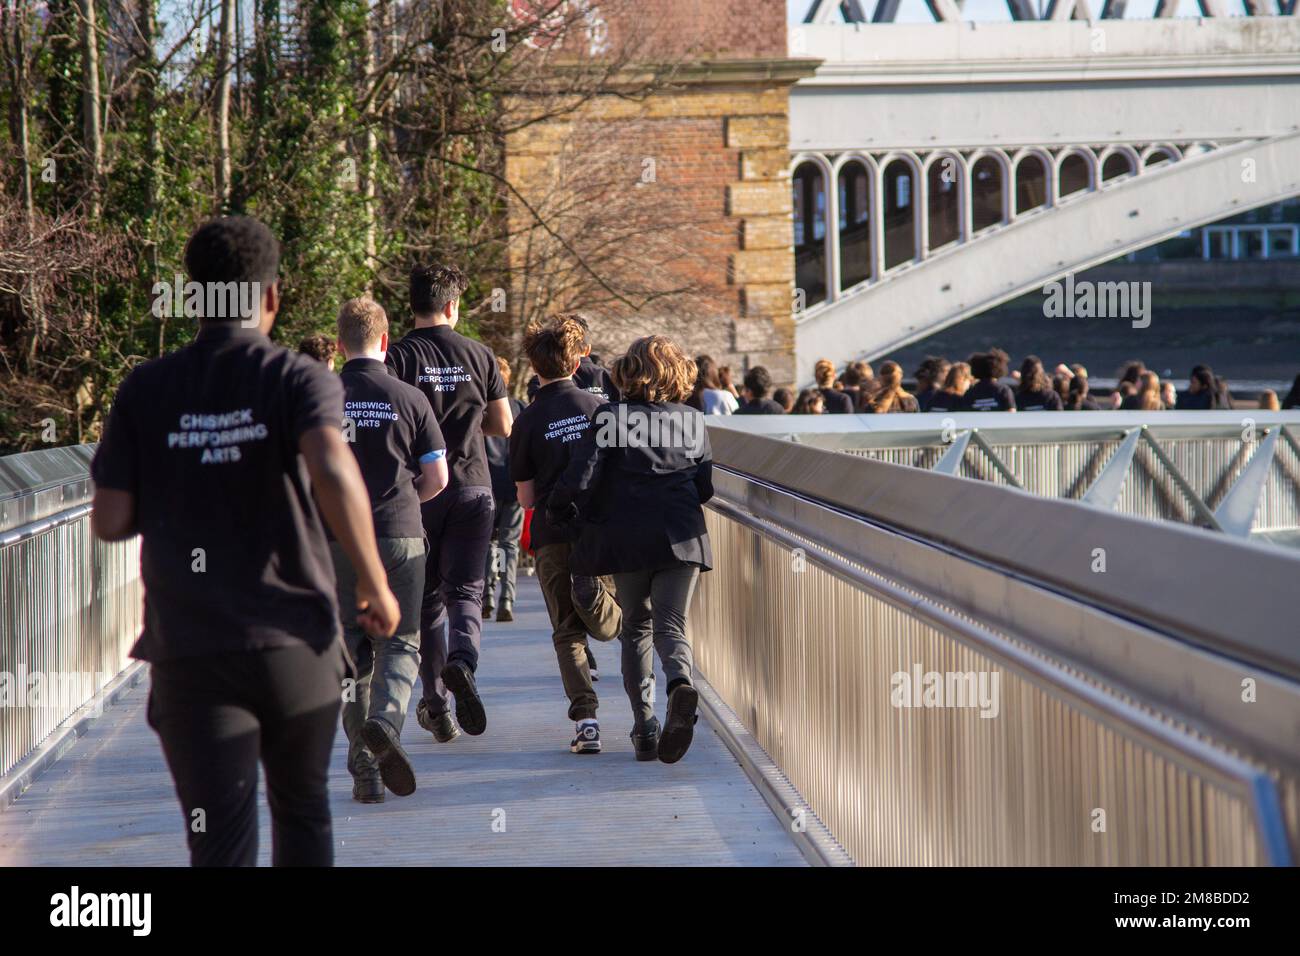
(368, 787)
(469, 706)
(394, 765)
(506, 613)
(442, 727)
(591, 665)
(645, 745)
(680, 725)
(587, 740)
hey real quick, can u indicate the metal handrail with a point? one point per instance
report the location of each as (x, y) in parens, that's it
(925, 546)
(1252, 784)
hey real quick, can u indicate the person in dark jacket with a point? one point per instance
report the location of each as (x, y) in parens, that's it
(1201, 394)
(503, 551)
(758, 383)
(636, 483)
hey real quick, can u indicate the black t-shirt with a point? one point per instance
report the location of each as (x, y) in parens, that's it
(943, 401)
(459, 377)
(589, 377)
(1038, 400)
(989, 397)
(233, 554)
(498, 457)
(836, 402)
(760, 406)
(393, 432)
(1195, 401)
(541, 443)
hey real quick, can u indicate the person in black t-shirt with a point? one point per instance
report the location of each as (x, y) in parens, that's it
(203, 456)
(1201, 394)
(758, 382)
(403, 460)
(503, 553)
(834, 401)
(988, 394)
(952, 397)
(1036, 393)
(591, 376)
(540, 448)
(460, 378)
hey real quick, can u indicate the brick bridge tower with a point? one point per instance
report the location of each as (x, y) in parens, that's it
(666, 202)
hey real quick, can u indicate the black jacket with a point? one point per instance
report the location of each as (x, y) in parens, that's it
(638, 499)
(498, 458)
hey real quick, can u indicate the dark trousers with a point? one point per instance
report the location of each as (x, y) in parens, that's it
(654, 605)
(502, 562)
(458, 524)
(217, 715)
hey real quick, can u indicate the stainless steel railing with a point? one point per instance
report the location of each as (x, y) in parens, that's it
(1234, 471)
(1170, 736)
(69, 605)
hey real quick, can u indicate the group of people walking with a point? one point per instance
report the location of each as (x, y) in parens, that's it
(312, 542)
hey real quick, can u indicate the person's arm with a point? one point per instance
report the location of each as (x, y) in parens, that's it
(112, 515)
(432, 479)
(498, 419)
(345, 505)
(526, 492)
(115, 470)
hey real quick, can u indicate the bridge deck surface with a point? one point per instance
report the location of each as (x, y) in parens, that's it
(109, 801)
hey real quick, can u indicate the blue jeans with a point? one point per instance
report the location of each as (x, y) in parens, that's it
(386, 666)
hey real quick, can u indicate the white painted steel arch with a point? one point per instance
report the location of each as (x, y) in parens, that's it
(965, 279)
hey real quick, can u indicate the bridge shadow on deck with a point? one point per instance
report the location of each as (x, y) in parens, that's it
(109, 801)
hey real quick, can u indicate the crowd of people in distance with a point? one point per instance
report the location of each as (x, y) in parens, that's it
(984, 382)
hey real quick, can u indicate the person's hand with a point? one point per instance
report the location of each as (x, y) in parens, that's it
(378, 611)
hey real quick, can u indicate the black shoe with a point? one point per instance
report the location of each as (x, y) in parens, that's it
(507, 612)
(646, 745)
(488, 609)
(680, 725)
(394, 765)
(587, 737)
(368, 787)
(442, 727)
(591, 665)
(469, 706)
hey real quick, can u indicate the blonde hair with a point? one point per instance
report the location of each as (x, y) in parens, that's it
(361, 323)
(503, 366)
(1149, 399)
(824, 372)
(654, 370)
(889, 395)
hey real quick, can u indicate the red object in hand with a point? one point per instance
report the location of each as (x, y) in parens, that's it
(525, 538)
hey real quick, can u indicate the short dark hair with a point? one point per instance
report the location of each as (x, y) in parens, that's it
(758, 381)
(233, 249)
(783, 397)
(320, 347)
(554, 347)
(432, 287)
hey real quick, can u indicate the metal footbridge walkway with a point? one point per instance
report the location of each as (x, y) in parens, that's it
(1048, 640)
